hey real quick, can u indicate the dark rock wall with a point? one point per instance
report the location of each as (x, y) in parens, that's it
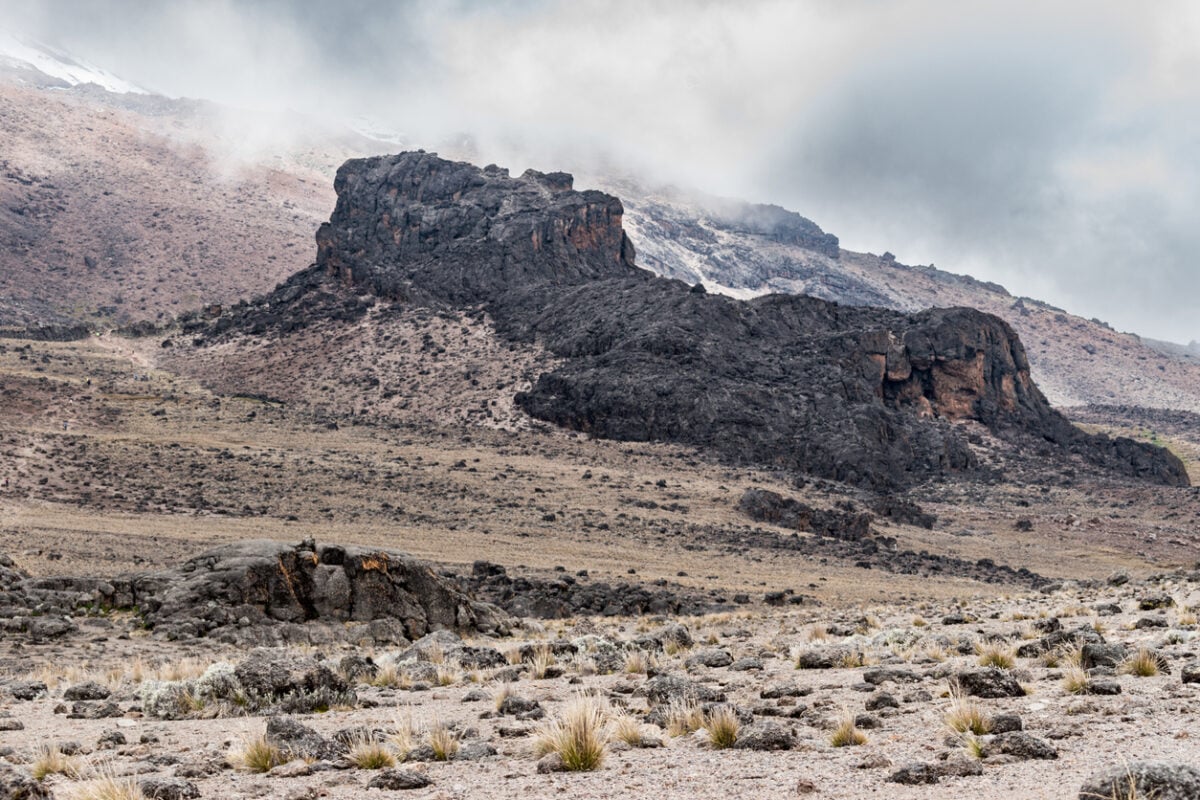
(862, 395)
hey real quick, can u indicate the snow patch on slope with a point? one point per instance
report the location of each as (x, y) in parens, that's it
(21, 53)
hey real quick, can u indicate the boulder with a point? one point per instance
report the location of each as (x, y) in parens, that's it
(1159, 780)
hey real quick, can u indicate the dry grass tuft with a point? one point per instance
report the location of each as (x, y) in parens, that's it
(579, 734)
(996, 654)
(1144, 663)
(847, 734)
(370, 753)
(639, 662)
(722, 725)
(107, 786)
(541, 661)
(443, 741)
(255, 754)
(49, 760)
(626, 728)
(1076, 679)
(965, 715)
(683, 716)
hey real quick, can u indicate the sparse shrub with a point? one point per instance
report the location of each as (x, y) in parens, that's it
(541, 661)
(447, 675)
(1076, 679)
(370, 753)
(1144, 663)
(722, 725)
(683, 716)
(443, 741)
(965, 715)
(973, 746)
(107, 786)
(626, 728)
(996, 654)
(579, 734)
(255, 754)
(919, 621)
(847, 734)
(402, 737)
(638, 662)
(50, 760)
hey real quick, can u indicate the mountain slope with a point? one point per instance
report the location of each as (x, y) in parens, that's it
(1075, 361)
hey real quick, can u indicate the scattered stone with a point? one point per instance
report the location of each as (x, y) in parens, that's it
(110, 740)
(991, 682)
(169, 789)
(1152, 602)
(713, 657)
(28, 690)
(1018, 744)
(17, 784)
(398, 780)
(765, 736)
(551, 762)
(1097, 654)
(88, 690)
(1158, 780)
(881, 700)
(295, 740)
(1006, 723)
(1190, 672)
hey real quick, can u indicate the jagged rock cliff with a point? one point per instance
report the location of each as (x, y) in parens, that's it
(863, 395)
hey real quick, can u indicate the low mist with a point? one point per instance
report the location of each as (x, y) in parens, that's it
(1048, 146)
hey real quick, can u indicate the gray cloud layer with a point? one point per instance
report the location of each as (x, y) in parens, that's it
(1051, 146)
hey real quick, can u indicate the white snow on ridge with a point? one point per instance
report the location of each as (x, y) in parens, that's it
(26, 53)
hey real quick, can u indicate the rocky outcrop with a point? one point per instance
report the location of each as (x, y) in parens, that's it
(866, 396)
(415, 226)
(786, 512)
(263, 581)
(237, 591)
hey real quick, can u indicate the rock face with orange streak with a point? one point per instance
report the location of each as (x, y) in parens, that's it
(415, 226)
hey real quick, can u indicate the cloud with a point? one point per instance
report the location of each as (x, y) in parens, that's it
(1046, 145)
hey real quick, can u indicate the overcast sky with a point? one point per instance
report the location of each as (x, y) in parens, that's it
(1053, 147)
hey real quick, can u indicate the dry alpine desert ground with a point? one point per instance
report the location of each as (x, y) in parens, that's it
(626, 616)
(475, 506)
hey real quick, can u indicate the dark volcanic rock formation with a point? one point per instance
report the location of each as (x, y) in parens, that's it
(862, 395)
(417, 226)
(253, 584)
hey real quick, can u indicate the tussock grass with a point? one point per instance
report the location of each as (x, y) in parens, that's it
(639, 662)
(443, 741)
(966, 715)
(1144, 663)
(973, 747)
(50, 760)
(625, 727)
(370, 753)
(448, 675)
(1076, 679)
(847, 734)
(541, 661)
(403, 735)
(106, 785)
(579, 734)
(996, 654)
(683, 716)
(722, 725)
(255, 754)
